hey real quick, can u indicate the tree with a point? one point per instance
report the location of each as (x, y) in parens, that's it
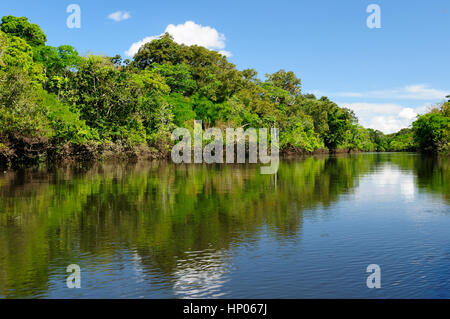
(178, 77)
(286, 81)
(309, 96)
(379, 139)
(106, 97)
(432, 131)
(22, 28)
(17, 53)
(3, 45)
(161, 51)
(182, 108)
(445, 109)
(20, 111)
(339, 121)
(215, 77)
(403, 140)
(57, 64)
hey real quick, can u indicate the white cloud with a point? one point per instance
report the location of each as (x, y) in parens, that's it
(226, 53)
(188, 33)
(134, 48)
(390, 117)
(384, 108)
(388, 124)
(386, 117)
(119, 16)
(408, 113)
(350, 94)
(423, 92)
(191, 33)
(409, 92)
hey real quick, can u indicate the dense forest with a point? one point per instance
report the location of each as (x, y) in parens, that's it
(57, 105)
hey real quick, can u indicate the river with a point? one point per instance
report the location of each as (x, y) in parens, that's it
(160, 230)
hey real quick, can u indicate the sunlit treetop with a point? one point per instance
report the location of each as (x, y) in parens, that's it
(22, 28)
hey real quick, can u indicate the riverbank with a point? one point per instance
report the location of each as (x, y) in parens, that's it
(20, 151)
(25, 152)
(31, 151)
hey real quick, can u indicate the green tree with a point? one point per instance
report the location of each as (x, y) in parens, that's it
(22, 28)
(20, 110)
(56, 60)
(106, 97)
(339, 121)
(403, 140)
(178, 77)
(432, 132)
(161, 51)
(286, 81)
(3, 45)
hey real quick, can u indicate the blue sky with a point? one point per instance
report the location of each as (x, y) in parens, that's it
(387, 75)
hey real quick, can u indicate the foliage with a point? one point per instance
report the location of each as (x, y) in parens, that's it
(402, 140)
(432, 130)
(286, 81)
(57, 64)
(20, 108)
(54, 93)
(20, 27)
(178, 77)
(66, 125)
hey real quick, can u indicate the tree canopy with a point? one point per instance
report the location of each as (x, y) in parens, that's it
(55, 94)
(22, 28)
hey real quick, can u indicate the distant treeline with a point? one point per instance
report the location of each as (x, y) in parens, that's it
(56, 105)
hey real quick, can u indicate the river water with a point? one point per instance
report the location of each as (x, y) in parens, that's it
(159, 230)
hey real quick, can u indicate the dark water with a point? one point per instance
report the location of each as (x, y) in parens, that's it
(160, 230)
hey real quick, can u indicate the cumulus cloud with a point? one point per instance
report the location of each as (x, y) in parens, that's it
(189, 33)
(408, 113)
(388, 124)
(409, 92)
(384, 108)
(119, 16)
(226, 53)
(134, 48)
(386, 117)
(391, 117)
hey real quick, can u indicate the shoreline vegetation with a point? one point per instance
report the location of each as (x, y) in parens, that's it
(58, 106)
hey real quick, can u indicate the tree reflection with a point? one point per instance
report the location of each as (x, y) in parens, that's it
(165, 212)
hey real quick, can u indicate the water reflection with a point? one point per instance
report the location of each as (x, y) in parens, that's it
(202, 275)
(160, 230)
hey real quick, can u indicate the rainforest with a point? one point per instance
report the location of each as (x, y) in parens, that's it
(56, 105)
